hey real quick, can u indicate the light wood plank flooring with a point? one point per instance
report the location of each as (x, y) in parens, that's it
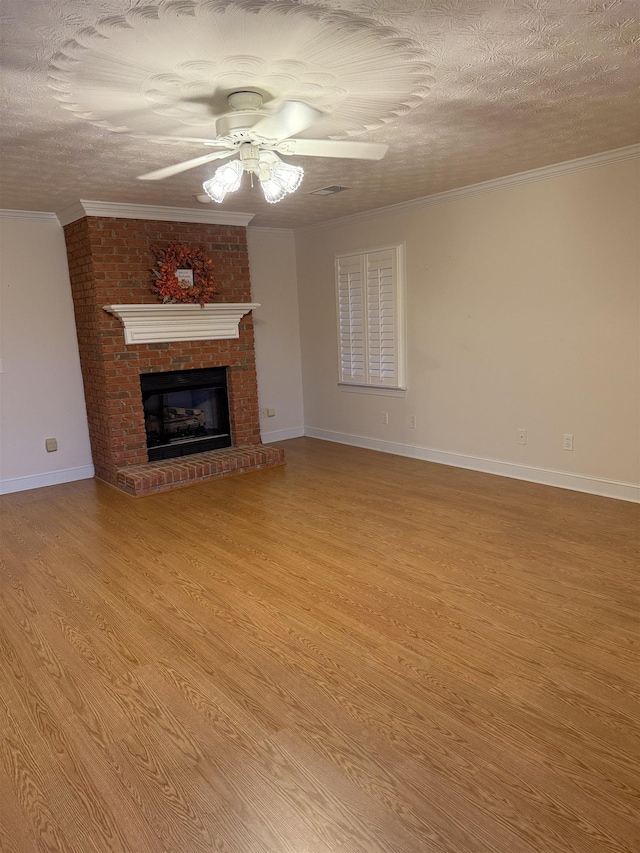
(357, 653)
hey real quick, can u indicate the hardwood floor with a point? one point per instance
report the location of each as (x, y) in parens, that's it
(358, 653)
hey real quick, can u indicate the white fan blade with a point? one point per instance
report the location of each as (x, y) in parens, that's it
(209, 143)
(294, 117)
(333, 148)
(142, 123)
(168, 171)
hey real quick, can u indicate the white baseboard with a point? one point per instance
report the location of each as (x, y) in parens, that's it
(282, 434)
(546, 476)
(52, 478)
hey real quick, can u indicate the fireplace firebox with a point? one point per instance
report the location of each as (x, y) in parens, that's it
(185, 412)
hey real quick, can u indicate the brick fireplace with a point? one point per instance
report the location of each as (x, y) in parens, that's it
(110, 262)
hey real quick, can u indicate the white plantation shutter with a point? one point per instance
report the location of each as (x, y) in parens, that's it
(382, 338)
(351, 319)
(369, 318)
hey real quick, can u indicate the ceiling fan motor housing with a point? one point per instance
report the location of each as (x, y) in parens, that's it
(235, 125)
(246, 113)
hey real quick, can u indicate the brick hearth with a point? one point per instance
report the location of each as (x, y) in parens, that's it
(110, 262)
(168, 473)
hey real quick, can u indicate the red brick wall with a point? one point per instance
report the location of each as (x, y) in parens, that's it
(110, 262)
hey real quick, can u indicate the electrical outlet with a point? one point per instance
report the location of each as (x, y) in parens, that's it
(271, 412)
(385, 417)
(522, 436)
(51, 444)
(567, 441)
(263, 413)
(412, 421)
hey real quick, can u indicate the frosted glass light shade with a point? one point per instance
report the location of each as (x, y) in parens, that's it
(289, 176)
(281, 179)
(225, 180)
(273, 190)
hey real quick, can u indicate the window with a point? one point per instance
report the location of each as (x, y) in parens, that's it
(371, 318)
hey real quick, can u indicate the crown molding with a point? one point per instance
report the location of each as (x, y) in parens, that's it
(31, 215)
(84, 207)
(258, 229)
(593, 160)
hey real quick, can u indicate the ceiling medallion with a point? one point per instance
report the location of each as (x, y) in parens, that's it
(162, 68)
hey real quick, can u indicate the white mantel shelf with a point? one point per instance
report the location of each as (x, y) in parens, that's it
(151, 324)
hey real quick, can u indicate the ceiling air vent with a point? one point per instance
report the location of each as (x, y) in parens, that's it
(329, 190)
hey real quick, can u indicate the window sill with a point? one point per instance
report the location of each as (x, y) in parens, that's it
(377, 390)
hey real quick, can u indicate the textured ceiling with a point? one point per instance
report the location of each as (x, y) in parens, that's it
(461, 91)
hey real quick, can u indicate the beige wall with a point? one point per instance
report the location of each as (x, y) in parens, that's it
(522, 312)
(41, 392)
(273, 284)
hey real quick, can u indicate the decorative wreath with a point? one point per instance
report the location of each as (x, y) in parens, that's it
(180, 256)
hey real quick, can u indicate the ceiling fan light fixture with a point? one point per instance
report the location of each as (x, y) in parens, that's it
(276, 178)
(226, 179)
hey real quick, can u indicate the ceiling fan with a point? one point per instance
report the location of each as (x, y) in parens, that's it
(258, 138)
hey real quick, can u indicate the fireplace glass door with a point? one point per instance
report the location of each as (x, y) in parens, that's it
(185, 412)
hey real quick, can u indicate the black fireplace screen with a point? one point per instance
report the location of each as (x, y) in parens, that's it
(185, 411)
